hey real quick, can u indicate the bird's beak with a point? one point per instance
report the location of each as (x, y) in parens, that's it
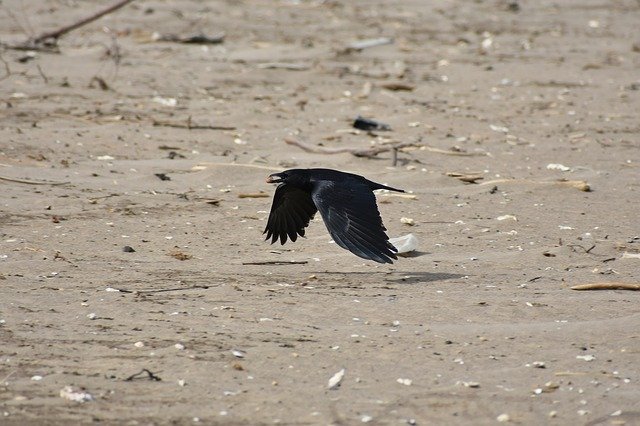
(275, 178)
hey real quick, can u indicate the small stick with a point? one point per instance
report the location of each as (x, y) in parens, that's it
(31, 182)
(254, 195)
(7, 70)
(150, 375)
(607, 286)
(164, 290)
(191, 126)
(7, 376)
(62, 31)
(44, 77)
(277, 262)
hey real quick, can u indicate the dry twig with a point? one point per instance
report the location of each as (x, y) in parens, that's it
(358, 152)
(189, 125)
(150, 375)
(31, 182)
(278, 262)
(48, 39)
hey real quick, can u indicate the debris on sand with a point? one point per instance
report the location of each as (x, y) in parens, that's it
(368, 124)
(76, 395)
(405, 243)
(334, 381)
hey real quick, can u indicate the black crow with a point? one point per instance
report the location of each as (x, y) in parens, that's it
(347, 206)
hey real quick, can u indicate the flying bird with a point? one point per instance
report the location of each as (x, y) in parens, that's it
(347, 206)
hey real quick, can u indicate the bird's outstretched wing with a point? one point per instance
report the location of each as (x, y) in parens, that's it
(352, 218)
(291, 211)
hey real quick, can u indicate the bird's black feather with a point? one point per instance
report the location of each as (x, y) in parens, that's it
(346, 203)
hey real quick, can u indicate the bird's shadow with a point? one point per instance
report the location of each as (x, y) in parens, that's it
(419, 277)
(402, 277)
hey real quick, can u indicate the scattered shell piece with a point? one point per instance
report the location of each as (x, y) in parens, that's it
(406, 382)
(238, 354)
(557, 166)
(71, 394)
(627, 255)
(507, 216)
(470, 384)
(92, 316)
(170, 102)
(586, 357)
(407, 221)
(36, 378)
(179, 346)
(405, 243)
(367, 419)
(538, 364)
(181, 383)
(503, 418)
(139, 344)
(616, 413)
(335, 380)
(105, 158)
(111, 289)
(497, 128)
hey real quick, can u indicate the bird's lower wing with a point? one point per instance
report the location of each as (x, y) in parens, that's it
(352, 218)
(291, 211)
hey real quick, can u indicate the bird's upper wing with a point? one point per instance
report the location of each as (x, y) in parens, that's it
(352, 218)
(291, 211)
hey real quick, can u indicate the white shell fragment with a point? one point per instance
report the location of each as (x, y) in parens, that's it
(405, 244)
(238, 354)
(556, 166)
(335, 380)
(586, 357)
(507, 217)
(627, 255)
(170, 102)
(71, 394)
(406, 382)
(503, 418)
(407, 221)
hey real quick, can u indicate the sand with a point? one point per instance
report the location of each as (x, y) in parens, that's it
(479, 326)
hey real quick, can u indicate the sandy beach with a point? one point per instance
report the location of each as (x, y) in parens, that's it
(135, 285)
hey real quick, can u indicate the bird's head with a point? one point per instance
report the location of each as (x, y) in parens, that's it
(295, 177)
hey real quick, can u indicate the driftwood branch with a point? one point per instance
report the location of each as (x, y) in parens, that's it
(278, 262)
(373, 151)
(48, 39)
(358, 152)
(607, 286)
